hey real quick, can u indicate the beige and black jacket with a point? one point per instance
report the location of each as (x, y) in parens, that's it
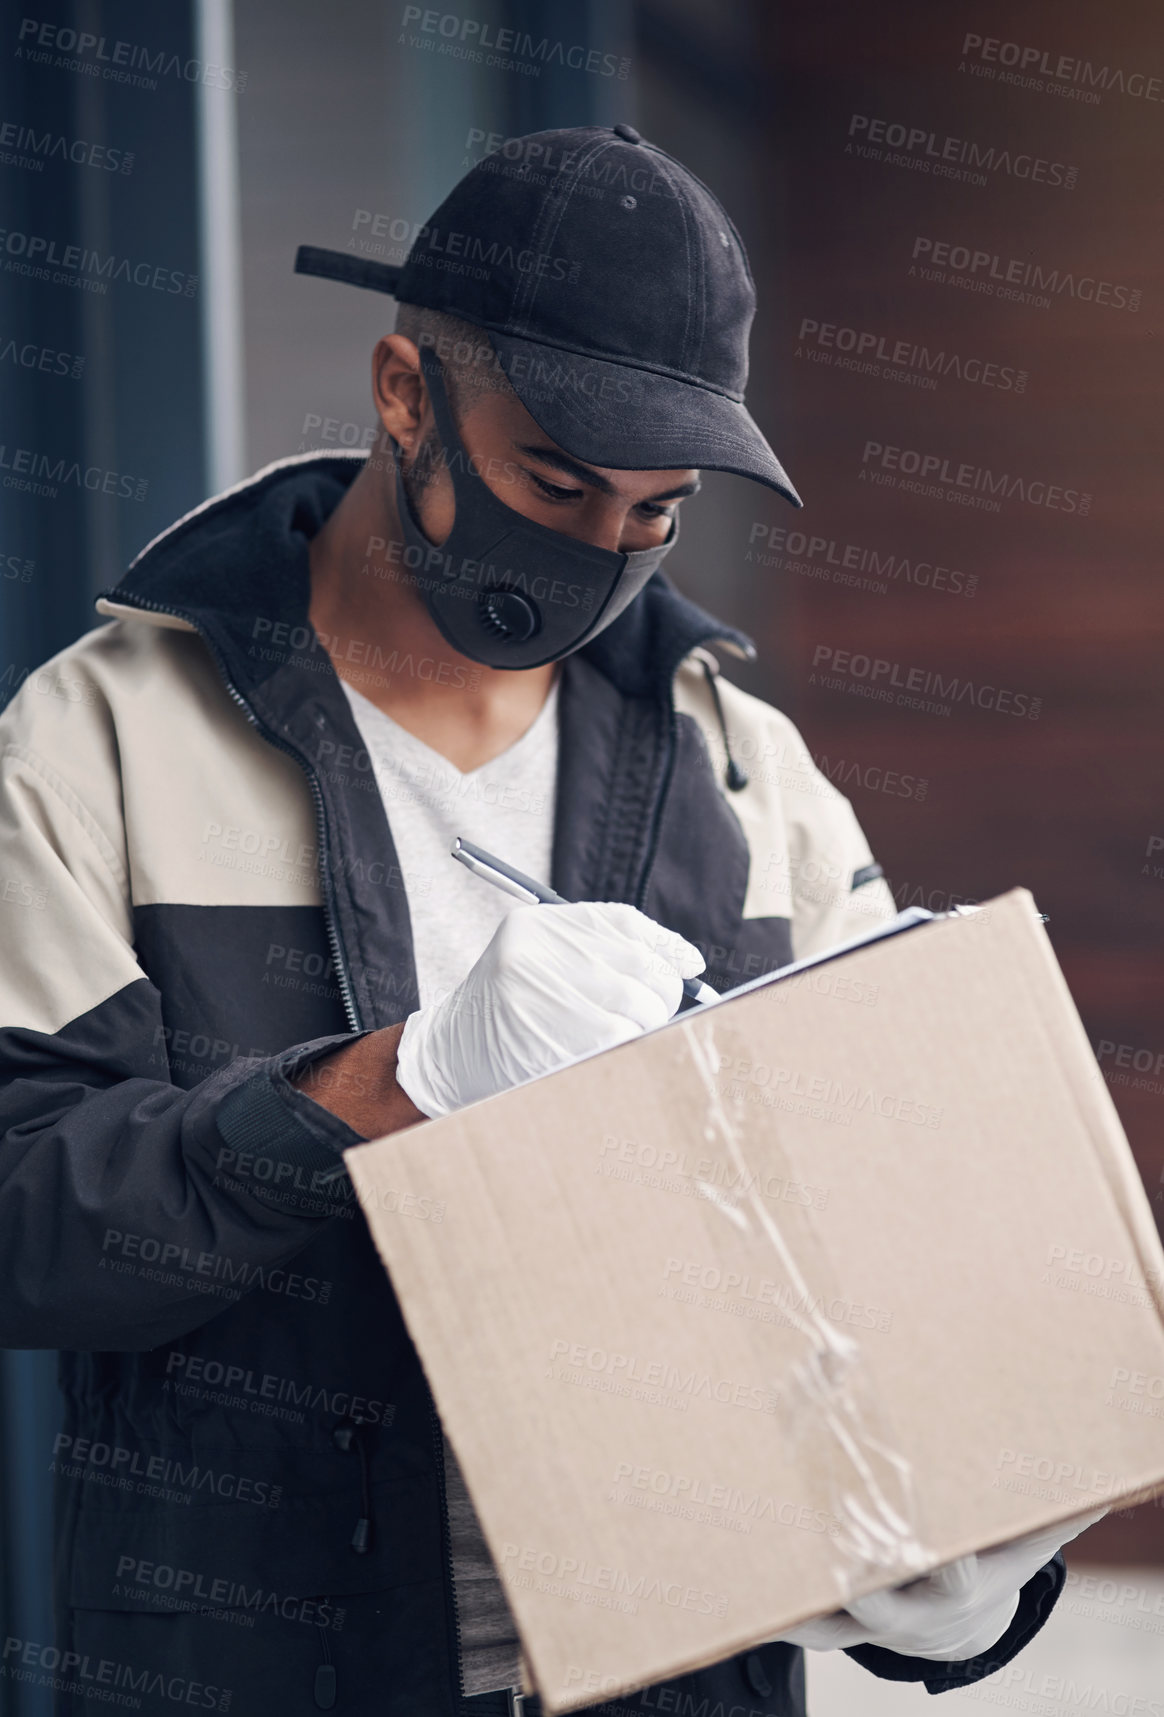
(198, 893)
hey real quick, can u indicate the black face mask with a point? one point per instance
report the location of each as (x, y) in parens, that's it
(503, 590)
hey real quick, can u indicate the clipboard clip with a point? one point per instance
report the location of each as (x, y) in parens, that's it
(964, 910)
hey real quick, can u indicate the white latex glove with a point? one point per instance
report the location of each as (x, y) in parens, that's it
(555, 983)
(954, 1612)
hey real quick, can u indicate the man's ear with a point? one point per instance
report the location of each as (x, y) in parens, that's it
(399, 392)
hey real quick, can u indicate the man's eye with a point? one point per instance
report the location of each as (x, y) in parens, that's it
(652, 510)
(553, 491)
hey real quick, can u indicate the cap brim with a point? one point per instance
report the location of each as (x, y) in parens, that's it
(633, 419)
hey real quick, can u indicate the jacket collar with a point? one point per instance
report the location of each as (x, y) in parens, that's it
(236, 569)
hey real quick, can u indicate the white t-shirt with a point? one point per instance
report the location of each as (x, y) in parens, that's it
(507, 807)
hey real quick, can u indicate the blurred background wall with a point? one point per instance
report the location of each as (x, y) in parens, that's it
(953, 217)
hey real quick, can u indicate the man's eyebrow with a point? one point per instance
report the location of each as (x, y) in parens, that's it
(585, 474)
(562, 462)
(677, 494)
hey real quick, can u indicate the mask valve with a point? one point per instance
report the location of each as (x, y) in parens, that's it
(507, 615)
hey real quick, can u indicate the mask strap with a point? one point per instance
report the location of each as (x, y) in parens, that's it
(409, 523)
(449, 439)
(442, 412)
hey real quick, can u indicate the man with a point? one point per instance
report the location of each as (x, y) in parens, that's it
(248, 948)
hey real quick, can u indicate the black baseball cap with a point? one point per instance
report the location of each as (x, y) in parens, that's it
(615, 290)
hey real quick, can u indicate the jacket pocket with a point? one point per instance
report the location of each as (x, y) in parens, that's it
(269, 1560)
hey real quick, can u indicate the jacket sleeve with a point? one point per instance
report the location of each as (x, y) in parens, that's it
(1036, 1601)
(96, 1142)
(838, 889)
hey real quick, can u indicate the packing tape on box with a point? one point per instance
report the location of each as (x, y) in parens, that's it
(827, 1391)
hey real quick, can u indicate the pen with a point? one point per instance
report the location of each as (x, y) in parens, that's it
(523, 887)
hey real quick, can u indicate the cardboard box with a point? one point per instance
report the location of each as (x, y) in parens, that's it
(797, 1297)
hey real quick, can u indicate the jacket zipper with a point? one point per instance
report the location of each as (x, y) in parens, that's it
(347, 994)
(452, 1618)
